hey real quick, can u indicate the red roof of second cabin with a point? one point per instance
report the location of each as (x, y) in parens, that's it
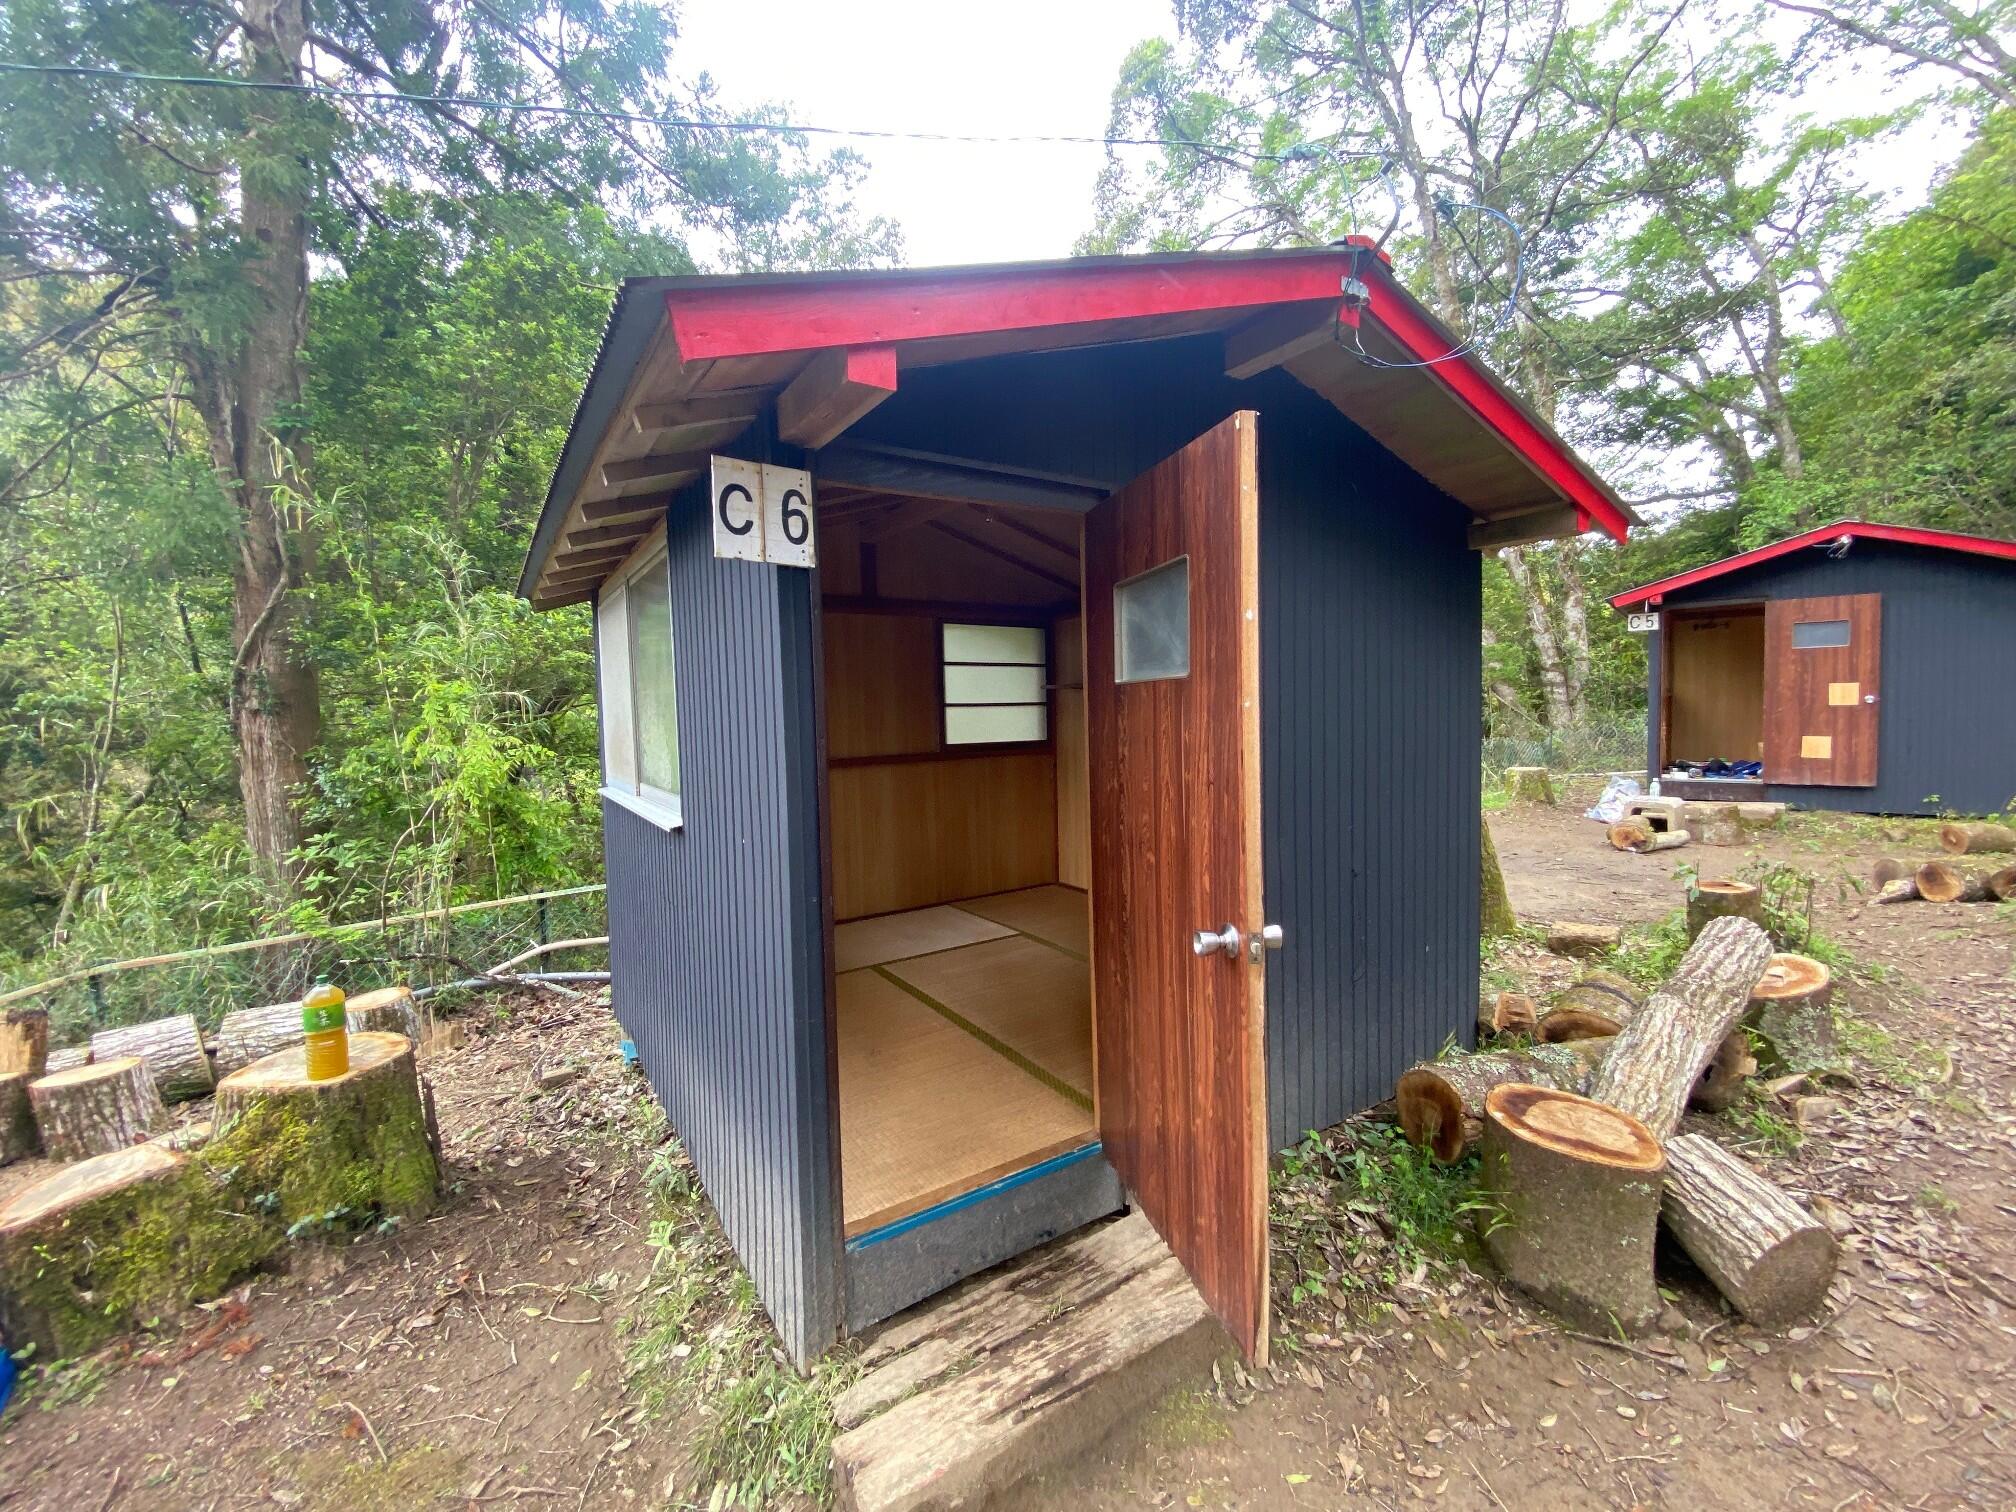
(1827, 535)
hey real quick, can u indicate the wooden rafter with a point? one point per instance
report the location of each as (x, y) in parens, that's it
(1002, 553)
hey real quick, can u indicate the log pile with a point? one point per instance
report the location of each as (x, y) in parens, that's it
(1948, 880)
(1581, 1159)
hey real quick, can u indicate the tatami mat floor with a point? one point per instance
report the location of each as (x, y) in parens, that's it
(965, 1059)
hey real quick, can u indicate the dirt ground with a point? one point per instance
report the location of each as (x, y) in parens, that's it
(478, 1357)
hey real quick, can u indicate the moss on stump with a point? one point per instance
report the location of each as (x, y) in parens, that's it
(329, 1154)
(112, 1241)
(1495, 904)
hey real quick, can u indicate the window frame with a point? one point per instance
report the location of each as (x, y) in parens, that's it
(994, 620)
(624, 785)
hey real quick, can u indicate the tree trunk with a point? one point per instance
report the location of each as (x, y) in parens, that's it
(349, 1149)
(1771, 1258)
(1571, 1189)
(1546, 647)
(69, 1058)
(1567, 557)
(1720, 900)
(1943, 882)
(24, 1042)
(97, 1109)
(248, 389)
(18, 1138)
(245, 1035)
(173, 1051)
(1791, 1009)
(1976, 839)
(1441, 1103)
(1495, 904)
(1656, 1059)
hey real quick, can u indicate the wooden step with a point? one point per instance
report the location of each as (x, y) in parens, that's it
(1038, 1361)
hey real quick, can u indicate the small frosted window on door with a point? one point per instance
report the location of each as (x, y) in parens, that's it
(1818, 635)
(1151, 624)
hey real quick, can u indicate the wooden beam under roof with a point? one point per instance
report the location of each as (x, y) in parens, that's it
(636, 530)
(636, 506)
(837, 388)
(1269, 340)
(1003, 554)
(1544, 524)
(910, 514)
(699, 409)
(561, 601)
(657, 465)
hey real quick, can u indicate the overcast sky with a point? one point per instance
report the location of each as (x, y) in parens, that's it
(1038, 66)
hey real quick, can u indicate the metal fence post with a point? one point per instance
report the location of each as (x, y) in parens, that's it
(98, 1008)
(544, 933)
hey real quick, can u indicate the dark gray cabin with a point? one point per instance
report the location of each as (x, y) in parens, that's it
(1864, 665)
(1040, 718)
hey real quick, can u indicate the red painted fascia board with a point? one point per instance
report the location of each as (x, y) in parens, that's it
(755, 319)
(1468, 381)
(1860, 530)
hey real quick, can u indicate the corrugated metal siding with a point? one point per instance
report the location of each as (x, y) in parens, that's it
(716, 940)
(1947, 723)
(1370, 665)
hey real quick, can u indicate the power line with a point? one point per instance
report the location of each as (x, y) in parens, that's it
(1301, 153)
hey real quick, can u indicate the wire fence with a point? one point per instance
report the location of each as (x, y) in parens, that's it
(422, 950)
(1594, 747)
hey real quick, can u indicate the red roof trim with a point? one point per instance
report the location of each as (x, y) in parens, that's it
(1860, 530)
(742, 320)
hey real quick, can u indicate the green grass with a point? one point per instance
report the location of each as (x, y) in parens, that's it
(702, 1351)
(1356, 1209)
(1761, 1127)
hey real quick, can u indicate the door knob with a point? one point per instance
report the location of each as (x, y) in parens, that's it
(1211, 941)
(1266, 938)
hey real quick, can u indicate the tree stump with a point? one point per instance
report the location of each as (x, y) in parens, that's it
(24, 1042)
(1715, 823)
(1441, 1103)
(18, 1138)
(1771, 1258)
(1582, 940)
(1721, 899)
(172, 1049)
(1976, 839)
(336, 1153)
(1495, 904)
(1656, 1059)
(245, 1035)
(1571, 1192)
(1943, 882)
(114, 1240)
(389, 1010)
(1505, 1014)
(1529, 784)
(96, 1109)
(1791, 1010)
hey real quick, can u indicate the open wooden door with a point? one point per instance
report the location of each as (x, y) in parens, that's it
(1823, 660)
(1173, 700)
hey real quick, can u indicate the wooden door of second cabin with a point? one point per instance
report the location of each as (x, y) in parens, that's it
(1823, 661)
(1173, 694)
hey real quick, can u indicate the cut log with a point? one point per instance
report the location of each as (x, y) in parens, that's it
(1529, 784)
(1588, 1010)
(1583, 940)
(1571, 1195)
(245, 1035)
(1771, 1258)
(1976, 839)
(1890, 868)
(390, 1010)
(69, 1058)
(24, 1042)
(1943, 882)
(1507, 1013)
(1791, 1011)
(96, 1109)
(334, 1153)
(2003, 883)
(1722, 1081)
(1629, 834)
(1496, 919)
(112, 1241)
(172, 1049)
(1897, 890)
(1656, 1059)
(18, 1139)
(1722, 899)
(1668, 840)
(1441, 1103)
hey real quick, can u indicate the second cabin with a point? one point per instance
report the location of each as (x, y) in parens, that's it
(1040, 727)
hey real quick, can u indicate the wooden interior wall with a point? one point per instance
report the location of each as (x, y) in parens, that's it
(1074, 773)
(1715, 686)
